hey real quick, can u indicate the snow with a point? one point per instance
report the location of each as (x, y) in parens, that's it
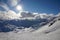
(44, 33)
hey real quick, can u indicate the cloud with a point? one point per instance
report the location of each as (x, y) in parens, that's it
(9, 15)
(13, 2)
(4, 6)
(25, 15)
(13, 15)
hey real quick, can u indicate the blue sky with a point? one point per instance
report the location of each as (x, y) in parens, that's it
(40, 6)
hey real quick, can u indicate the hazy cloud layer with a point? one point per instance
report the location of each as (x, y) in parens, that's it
(13, 3)
(3, 5)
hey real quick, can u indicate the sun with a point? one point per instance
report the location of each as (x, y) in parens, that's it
(19, 7)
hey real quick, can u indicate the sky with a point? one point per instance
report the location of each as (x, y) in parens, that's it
(39, 6)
